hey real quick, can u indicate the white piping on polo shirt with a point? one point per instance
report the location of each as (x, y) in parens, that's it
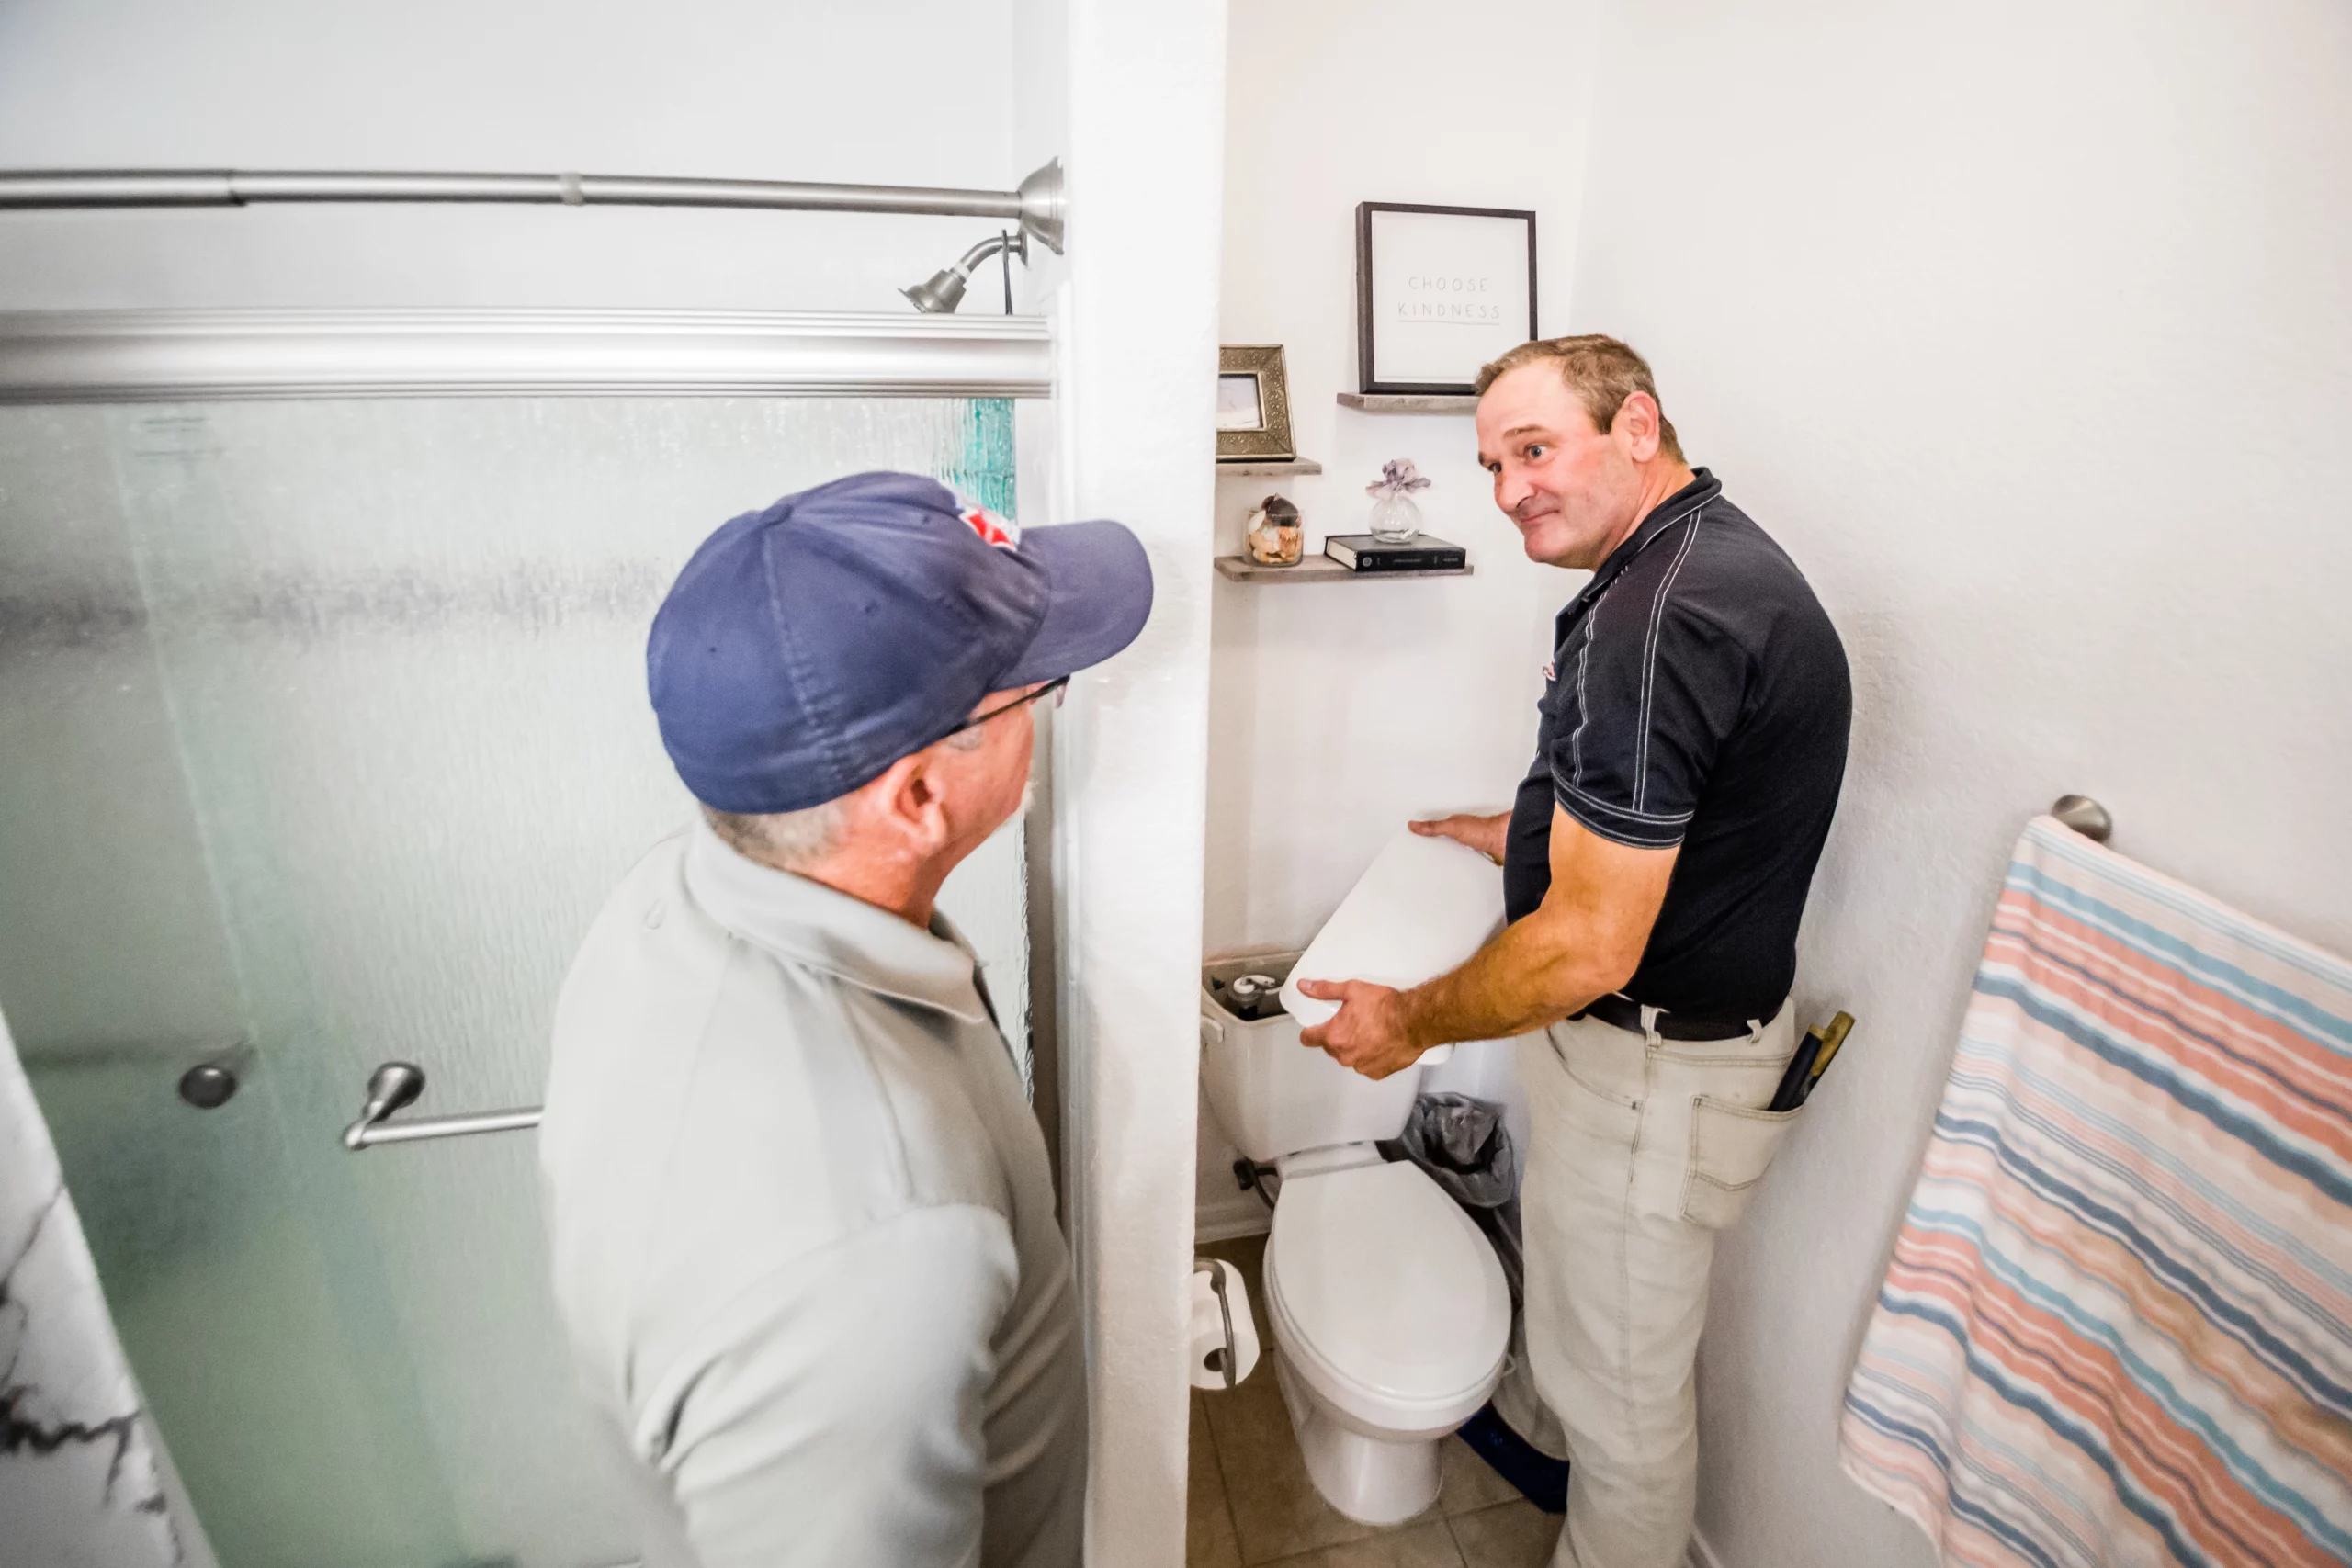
(1664, 819)
(1649, 656)
(1584, 711)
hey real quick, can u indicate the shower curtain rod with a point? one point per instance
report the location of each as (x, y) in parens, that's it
(1036, 206)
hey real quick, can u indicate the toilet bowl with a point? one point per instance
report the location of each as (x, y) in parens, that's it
(1387, 1306)
(1391, 1317)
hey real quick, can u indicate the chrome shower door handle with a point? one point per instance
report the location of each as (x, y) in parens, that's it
(394, 1087)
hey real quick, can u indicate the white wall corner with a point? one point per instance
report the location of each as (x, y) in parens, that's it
(1138, 358)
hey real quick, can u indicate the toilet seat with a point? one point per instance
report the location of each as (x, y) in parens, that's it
(1385, 1298)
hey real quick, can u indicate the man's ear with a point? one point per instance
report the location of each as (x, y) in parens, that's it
(907, 795)
(1637, 426)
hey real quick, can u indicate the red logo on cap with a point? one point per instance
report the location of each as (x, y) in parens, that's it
(1004, 533)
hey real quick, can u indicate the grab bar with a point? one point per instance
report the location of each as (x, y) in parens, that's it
(394, 1087)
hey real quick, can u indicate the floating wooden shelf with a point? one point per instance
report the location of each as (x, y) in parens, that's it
(1316, 569)
(1410, 402)
(1267, 470)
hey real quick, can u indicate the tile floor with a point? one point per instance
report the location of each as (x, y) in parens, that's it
(1250, 1503)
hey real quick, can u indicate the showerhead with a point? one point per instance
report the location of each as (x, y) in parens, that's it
(944, 291)
(940, 294)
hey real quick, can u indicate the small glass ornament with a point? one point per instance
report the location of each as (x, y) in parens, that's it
(1395, 516)
(1277, 536)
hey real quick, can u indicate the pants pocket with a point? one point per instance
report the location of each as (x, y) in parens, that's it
(1731, 1147)
(1589, 1108)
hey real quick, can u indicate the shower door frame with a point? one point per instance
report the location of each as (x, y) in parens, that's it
(193, 356)
(72, 356)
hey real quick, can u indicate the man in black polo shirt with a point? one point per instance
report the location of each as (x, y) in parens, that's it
(1689, 751)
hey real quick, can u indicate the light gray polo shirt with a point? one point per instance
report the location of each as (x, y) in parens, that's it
(803, 1232)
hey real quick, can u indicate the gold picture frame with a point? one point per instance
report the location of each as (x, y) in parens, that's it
(1252, 404)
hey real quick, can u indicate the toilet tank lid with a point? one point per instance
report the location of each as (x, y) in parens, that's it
(1389, 1282)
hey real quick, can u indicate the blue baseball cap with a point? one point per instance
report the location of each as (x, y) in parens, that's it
(808, 647)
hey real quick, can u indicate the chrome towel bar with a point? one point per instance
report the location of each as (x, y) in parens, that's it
(396, 1085)
(2085, 816)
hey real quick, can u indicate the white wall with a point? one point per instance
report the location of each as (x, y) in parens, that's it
(2023, 327)
(1339, 710)
(1138, 332)
(896, 91)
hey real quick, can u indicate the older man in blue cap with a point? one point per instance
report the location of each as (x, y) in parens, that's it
(802, 1226)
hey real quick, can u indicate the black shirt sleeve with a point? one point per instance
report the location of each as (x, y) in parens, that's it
(1647, 691)
(1527, 851)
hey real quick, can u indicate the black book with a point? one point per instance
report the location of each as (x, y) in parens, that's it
(1361, 552)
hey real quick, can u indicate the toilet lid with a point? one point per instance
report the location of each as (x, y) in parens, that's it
(1388, 1281)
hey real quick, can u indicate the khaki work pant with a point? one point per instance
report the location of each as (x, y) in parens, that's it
(1642, 1149)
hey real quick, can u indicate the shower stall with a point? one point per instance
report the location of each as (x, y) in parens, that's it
(323, 735)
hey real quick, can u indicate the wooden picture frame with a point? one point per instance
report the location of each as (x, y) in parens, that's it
(1254, 404)
(1437, 293)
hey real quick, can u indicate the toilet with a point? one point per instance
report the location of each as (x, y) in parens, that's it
(1387, 1304)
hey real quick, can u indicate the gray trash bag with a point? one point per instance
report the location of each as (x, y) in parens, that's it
(1467, 1150)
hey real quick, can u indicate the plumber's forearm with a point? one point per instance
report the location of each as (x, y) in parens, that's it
(1585, 941)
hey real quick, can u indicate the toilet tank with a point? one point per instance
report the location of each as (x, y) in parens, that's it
(1273, 1095)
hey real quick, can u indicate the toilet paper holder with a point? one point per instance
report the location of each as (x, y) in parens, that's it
(1216, 1285)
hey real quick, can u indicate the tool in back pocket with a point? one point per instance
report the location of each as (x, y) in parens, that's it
(1812, 1060)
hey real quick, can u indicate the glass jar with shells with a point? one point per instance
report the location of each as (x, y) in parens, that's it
(1277, 536)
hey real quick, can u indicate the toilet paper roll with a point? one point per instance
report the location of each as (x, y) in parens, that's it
(1207, 1349)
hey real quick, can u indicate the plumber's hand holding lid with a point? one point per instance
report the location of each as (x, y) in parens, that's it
(1428, 902)
(1372, 1032)
(1488, 835)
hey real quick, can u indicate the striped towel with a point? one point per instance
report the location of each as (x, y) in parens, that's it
(2118, 1324)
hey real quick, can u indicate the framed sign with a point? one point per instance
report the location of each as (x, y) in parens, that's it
(1252, 404)
(1440, 291)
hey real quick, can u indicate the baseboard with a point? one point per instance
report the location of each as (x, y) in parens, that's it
(1226, 1222)
(1701, 1554)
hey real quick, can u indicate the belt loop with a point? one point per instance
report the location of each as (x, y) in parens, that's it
(1649, 1025)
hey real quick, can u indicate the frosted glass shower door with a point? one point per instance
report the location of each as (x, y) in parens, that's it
(323, 735)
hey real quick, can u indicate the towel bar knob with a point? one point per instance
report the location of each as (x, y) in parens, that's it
(2085, 816)
(208, 1085)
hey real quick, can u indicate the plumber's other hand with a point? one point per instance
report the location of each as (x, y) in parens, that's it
(1487, 835)
(1369, 1032)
